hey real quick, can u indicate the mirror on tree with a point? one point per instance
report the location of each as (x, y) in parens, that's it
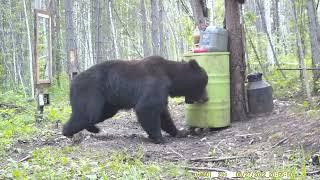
(43, 51)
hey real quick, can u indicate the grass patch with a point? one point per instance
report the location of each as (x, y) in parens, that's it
(74, 163)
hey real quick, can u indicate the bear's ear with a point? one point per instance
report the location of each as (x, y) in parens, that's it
(193, 63)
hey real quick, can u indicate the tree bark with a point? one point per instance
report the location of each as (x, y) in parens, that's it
(145, 44)
(237, 64)
(71, 39)
(276, 20)
(154, 27)
(198, 11)
(305, 82)
(98, 31)
(113, 30)
(315, 53)
(161, 30)
(30, 49)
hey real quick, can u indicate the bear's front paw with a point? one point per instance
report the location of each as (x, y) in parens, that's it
(93, 129)
(159, 140)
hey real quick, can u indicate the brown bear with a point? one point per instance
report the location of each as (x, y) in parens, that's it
(144, 85)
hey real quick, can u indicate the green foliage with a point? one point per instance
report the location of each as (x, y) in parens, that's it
(59, 108)
(62, 163)
(284, 88)
(16, 122)
(187, 32)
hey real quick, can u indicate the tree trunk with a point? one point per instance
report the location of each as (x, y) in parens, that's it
(58, 60)
(114, 35)
(145, 44)
(276, 20)
(89, 40)
(30, 48)
(71, 40)
(154, 27)
(198, 9)
(237, 64)
(13, 47)
(181, 38)
(161, 29)
(300, 54)
(263, 20)
(98, 31)
(315, 53)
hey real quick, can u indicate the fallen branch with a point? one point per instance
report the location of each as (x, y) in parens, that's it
(313, 173)
(212, 159)
(176, 152)
(25, 158)
(279, 143)
(173, 158)
(245, 135)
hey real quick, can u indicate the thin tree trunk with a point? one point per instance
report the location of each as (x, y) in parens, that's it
(181, 38)
(30, 49)
(14, 67)
(301, 55)
(161, 29)
(71, 39)
(98, 31)
(276, 20)
(315, 53)
(127, 42)
(269, 38)
(114, 35)
(146, 50)
(58, 44)
(154, 27)
(174, 36)
(9, 76)
(21, 56)
(237, 64)
(258, 58)
(20, 76)
(89, 40)
(245, 46)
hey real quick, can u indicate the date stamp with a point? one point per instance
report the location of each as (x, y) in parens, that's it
(244, 174)
(263, 174)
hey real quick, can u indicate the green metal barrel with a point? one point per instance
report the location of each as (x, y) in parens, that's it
(216, 112)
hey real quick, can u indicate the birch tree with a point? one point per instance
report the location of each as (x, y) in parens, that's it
(305, 82)
(154, 27)
(30, 48)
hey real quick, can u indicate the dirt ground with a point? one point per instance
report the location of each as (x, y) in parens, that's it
(262, 143)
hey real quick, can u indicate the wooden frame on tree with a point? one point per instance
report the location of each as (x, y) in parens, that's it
(42, 48)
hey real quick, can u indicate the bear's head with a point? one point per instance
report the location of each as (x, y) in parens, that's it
(198, 77)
